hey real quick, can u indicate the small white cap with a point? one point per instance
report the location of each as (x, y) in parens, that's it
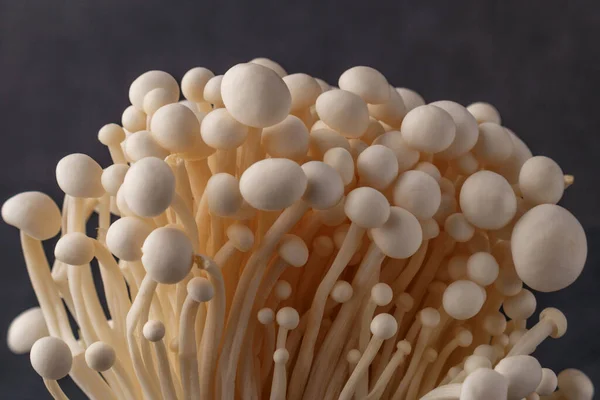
(100, 356)
(25, 329)
(51, 358)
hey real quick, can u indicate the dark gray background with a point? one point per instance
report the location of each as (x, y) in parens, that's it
(65, 68)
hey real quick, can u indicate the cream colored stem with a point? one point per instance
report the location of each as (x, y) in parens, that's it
(167, 387)
(279, 386)
(446, 392)
(388, 346)
(186, 217)
(187, 350)
(55, 390)
(361, 368)
(436, 368)
(385, 377)
(531, 339)
(419, 348)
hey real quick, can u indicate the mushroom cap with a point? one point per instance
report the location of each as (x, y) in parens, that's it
(400, 236)
(575, 385)
(482, 268)
(524, 374)
(193, 83)
(133, 120)
(374, 130)
(78, 175)
(384, 326)
(200, 289)
(167, 255)
(548, 383)
(100, 356)
(341, 292)
(484, 384)
(149, 187)
(149, 81)
(341, 160)
(557, 319)
(429, 169)
(487, 200)
(286, 139)
(281, 356)
(377, 166)
(221, 131)
(113, 177)
(255, 95)
(51, 358)
(75, 248)
(428, 128)
(154, 330)
(484, 112)
(430, 228)
(142, 144)
(241, 236)
(541, 181)
(520, 306)
(265, 316)
(25, 329)
(273, 184)
(353, 356)
(212, 91)
(304, 90)
(474, 362)
(272, 65)
(511, 168)
(549, 248)
(417, 192)
(324, 187)
(392, 111)
(175, 127)
(125, 238)
(288, 318)
(34, 213)
(457, 226)
(223, 195)
(293, 250)
(111, 135)
(366, 82)
(410, 98)
(344, 112)
(407, 157)
(464, 338)
(282, 290)
(463, 299)
(494, 145)
(429, 317)
(381, 294)
(467, 131)
(367, 207)
(155, 99)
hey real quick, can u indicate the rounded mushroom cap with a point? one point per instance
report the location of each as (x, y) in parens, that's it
(223, 195)
(155, 99)
(463, 299)
(353, 356)
(367, 207)
(111, 135)
(400, 236)
(494, 145)
(457, 226)
(482, 268)
(366, 82)
(520, 306)
(377, 166)
(428, 129)
(167, 255)
(324, 187)
(484, 384)
(575, 385)
(429, 317)
(100, 356)
(549, 248)
(341, 160)
(149, 81)
(304, 90)
(133, 119)
(374, 130)
(511, 168)
(273, 184)
(381, 294)
(281, 356)
(557, 319)
(406, 156)
(221, 131)
(410, 98)
(78, 175)
(341, 292)
(255, 95)
(175, 127)
(548, 383)
(272, 65)
(487, 200)
(193, 83)
(287, 139)
(484, 112)
(473, 363)
(34, 213)
(392, 111)
(282, 290)
(384, 326)
(75, 248)
(212, 91)
(429, 169)
(154, 330)
(51, 358)
(25, 330)
(149, 187)
(293, 250)
(322, 140)
(541, 181)
(464, 338)
(467, 130)
(125, 238)
(418, 193)
(265, 316)
(241, 236)
(343, 111)
(457, 267)
(288, 318)
(524, 374)
(200, 290)
(113, 177)
(487, 351)
(142, 144)
(430, 228)
(495, 324)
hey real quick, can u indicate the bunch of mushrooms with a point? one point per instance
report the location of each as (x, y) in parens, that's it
(274, 237)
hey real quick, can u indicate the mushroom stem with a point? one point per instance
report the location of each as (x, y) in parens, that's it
(187, 349)
(165, 378)
(185, 215)
(279, 385)
(55, 390)
(446, 392)
(361, 368)
(533, 338)
(403, 349)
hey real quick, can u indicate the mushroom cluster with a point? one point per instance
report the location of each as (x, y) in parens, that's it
(274, 237)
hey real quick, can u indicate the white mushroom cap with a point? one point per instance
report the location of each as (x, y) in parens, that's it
(512, 166)
(155, 99)
(34, 213)
(304, 90)
(273, 184)
(575, 385)
(381, 294)
(384, 326)
(321, 140)
(324, 185)
(223, 195)
(463, 299)
(484, 112)
(149, 81)
(272, 65)
(193, 82)
(366, 82)
(428, 129)
(100, 356)
(548, 383)
(241, 236)
(392, 111)
(78, 175)
(255, 95)
(487, 200)
(265, 316)
(341, 292)
(484, 384)
(167, 255)
(377, 166)
(175, 127)
(367, 207)
(482, 268)
(200, 289)
(281, 356)
(341, 160)
(494, 145)
(418, 193)
(25, 330)
(288, 139)
(154, 330)
(74, 248)
(288, 318)
(149, 187)
(282, 290)
(133, 119)
(457, 226)
(400, 236)
(406, 156)
(410, 98)
(142, 144)
(51, 358)
(374, 130)
(113, 177)
(293, 250)
(474, 362)
(343, 111)
(111, 134)
(125, 238)
(430, 228)
(212, 91)
(520, 306)
(549, 248)
(353, 356)
(221, 131)
(541, 181)
(467, 131)
(524, 374)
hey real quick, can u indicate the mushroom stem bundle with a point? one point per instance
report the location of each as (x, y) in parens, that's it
(275, 237)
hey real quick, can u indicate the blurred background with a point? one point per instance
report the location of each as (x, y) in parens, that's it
(65, 69)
